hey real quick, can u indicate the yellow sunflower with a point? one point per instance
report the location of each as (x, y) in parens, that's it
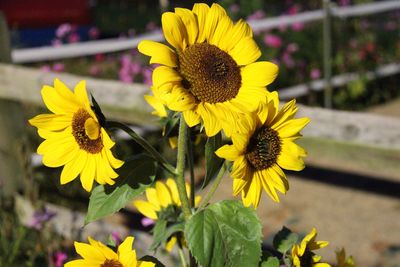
(163, 203)
(302, 254)
(342, 261)
(74, 137)
(264, 149)
(210, 73)
(96, 254)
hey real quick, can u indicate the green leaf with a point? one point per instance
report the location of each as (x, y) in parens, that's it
(284, 240)
(161, 232)
(271, 262)
(134, 177)
(225, 234)
(213, 162)
(152, 259)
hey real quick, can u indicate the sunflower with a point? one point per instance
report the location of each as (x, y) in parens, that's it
(341, 259)
(210, 74)
(163, 203)
(265, 148)
(74, 137)
(96, 254)
(302, 254)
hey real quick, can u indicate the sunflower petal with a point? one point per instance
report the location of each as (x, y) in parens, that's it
(245, 52)
(190, 21)
(158, 52)
(174, 30)
(259, 73)
(146, 208)
(201, 10)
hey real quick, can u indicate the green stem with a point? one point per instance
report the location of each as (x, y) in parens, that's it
(180, 168)
(191, 168)
(182, 257)
(214, 186)
(143, 143)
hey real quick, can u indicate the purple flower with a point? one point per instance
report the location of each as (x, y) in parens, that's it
(147, 73)
(63, 30)
(147, 221)
(116, 237)
(344, 2)
(59, 258)
(58, 67)
(297, 26)
(272, 40)
(292, 48)
(293, 10)
(124, 75)
(45, 68)
(135, 68)
(288, 60)
(73, 38)
(40, 218)
(259, 14)
(125, 61)
(56, 42)
(93, 33)
(315, 74)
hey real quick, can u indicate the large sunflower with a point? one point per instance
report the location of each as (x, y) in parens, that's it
(74, 137)
(96, 254)
(210, 74)
(264, 149)
(302, 255)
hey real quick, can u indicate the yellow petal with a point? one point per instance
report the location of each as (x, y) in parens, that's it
(82, 96)
(107, 142)
(181, 100)
(60, 155)
(159, 53)
(82, 263)
(174, 30)
(163, 75)
(56, 103)
(239, 185)
(240, 30)
(174, 190)
(164, 195)
(191, 118)
(115, 163)
(65, 93)
(228, 152)
(291, 128)
(259, 73)
(290, 162)
(158, 106)
(214, 15)
(190, 21)
(73, 168)
(211, 124)
(126, 246)
(170, 244)
(219, 37)
(146, 208)
(151, 195)
(287, 112)
(201, 11)
(264, 177)
(246, 51)
(106, 251)
(89, 252)
(92, 129)
(145, 264)
(88, 173)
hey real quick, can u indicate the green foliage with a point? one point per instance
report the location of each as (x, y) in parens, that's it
(134, 177)
(284, 240)
(225, 234)
(161, 232)
(213, 162)
(270, 262)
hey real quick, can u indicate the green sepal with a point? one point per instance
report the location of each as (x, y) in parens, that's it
(225, 234)
(135, 176)
(284, 240)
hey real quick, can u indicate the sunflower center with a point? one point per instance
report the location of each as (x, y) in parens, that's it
(111, 263)
(86, 132)
(264, 148)
(209, 73)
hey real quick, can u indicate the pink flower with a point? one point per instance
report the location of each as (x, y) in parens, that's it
(147, 221)
(272, 40)
(147, 73)
(45, 68)
(344, 2)
(58, 67)
(298, 26)
(292, 48)
(93, 33)
(63, 30)
(99, 57)
(59, 258)
(125, 76)
(151, 26)
(234, 8)
(135, 68)
(293, 10)
(74, 38)
(94, 70)
(56, 42)
(259, 14)
(116, 237)
(315, 74)
(126, 60)
(288, 60)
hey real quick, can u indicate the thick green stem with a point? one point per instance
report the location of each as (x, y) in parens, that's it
(180, 168)
(143, 143)
(191, 168)
(214, 186)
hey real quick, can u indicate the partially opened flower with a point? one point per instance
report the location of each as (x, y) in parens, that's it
(163, 202)
(75, 137)
(210, 74)
(266, 147)
(302, 255)
(341, 259)
(96, 254)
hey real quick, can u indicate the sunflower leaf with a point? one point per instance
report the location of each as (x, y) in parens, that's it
(271, 262)
(284, 240)
(225, 234)
(161, 232)
(135, 176)
(213, 162)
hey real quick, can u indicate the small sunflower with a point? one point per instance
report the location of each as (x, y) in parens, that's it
(163, 203)
(264, 149)
(96, 254)
(210, 74)
(302, 254)
(341, 259)
(74, 137)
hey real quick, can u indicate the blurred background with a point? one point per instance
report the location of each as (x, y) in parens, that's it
(339, 59)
